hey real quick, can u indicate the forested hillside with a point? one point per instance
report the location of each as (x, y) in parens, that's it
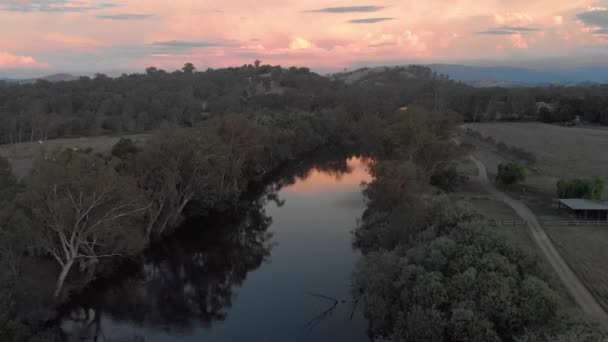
(157, 99)
(421, 86)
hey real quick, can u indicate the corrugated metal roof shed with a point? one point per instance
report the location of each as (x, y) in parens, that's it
(583, 204)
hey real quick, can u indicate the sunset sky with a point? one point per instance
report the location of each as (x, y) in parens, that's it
(44, 36)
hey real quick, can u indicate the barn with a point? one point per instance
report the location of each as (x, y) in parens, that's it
(585, 208)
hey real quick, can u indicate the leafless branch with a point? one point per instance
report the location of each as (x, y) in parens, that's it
(330, 310)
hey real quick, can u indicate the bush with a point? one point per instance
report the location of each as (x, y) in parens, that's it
(455, 280)
(123, 148)
(510, 173)
(580, 188)
(445, 179)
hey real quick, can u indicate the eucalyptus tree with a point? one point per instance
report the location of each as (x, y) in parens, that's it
(82, 210)
(173, 170)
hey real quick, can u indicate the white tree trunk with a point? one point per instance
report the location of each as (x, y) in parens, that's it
(62, 276)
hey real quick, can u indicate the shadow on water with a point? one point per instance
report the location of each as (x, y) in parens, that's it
(187, 283)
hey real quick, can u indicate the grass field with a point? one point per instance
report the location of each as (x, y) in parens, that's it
(22, 155)
(562, 152)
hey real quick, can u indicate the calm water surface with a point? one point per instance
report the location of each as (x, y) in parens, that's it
(256, 278)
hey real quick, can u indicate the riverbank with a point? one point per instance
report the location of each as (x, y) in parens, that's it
(253, 271)
(182, 173)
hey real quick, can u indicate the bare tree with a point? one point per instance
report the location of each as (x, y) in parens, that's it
(83, 210)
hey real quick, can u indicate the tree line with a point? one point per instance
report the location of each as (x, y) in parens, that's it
(92, 106)
(420, 86)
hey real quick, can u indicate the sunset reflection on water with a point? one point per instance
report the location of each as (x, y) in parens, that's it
(330, 180)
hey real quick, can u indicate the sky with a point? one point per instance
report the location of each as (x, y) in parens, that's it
(48, 36)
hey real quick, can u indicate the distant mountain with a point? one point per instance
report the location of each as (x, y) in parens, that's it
(512, 76)
(50, 78)
(60, 77)
(9, 80)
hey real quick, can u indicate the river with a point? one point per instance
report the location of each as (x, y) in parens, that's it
(269, 273)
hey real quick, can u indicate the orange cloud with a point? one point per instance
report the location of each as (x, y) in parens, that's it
(11, 60)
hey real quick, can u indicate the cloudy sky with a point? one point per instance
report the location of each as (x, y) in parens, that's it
(44, 36)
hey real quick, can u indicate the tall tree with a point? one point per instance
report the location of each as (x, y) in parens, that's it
(175, 169)
(82, 210)
(188, 68)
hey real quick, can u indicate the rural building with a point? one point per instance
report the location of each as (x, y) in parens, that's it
(585, 208)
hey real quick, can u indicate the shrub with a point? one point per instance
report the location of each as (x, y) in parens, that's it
(123, 148)
(510, 173)
(445, 179)
(580, 188)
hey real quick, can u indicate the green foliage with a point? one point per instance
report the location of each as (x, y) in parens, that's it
(157, 98)
(445, 179)
(458, 274)
(510, 173)
(124, 148)
(581, 188)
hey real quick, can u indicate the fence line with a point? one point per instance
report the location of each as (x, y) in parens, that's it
(575, 223)
(467, 197)
(510, 222)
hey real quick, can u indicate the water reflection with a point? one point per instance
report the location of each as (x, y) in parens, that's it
(343, 174)
(188, 280)
(186, 287)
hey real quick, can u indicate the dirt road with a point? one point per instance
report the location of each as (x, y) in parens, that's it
(578, 291)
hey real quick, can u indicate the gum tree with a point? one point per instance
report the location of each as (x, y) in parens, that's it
(82, 210)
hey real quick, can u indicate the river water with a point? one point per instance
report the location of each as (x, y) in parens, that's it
(270, 273)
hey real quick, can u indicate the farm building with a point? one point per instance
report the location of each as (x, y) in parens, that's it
(585, 208)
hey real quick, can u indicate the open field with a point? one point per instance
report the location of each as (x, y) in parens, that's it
(22, 155)
(562, 152)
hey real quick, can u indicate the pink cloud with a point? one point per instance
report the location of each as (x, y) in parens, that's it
(71, 40)
(11, 60)
(290, 34)
(518, 41)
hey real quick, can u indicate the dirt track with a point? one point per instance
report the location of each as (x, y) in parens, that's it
(577, 290)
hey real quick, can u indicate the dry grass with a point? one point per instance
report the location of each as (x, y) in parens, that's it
(563, 152)
(22, 155)
(584, 249)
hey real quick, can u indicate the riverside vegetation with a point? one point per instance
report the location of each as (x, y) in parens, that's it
(433, 269)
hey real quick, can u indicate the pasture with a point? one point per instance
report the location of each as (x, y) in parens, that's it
(562, 152)
(21, 156)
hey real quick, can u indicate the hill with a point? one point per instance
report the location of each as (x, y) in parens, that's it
(50, 78)
(503, 76)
